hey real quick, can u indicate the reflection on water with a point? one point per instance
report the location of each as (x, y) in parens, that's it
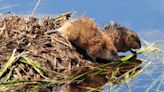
(94, 82)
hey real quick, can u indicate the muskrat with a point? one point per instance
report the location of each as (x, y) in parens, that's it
(123, 38)
(84, 33)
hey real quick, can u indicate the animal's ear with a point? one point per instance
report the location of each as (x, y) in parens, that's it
(112, 23)
(84, 15)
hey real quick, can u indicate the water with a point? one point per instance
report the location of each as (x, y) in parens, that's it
(152, 79)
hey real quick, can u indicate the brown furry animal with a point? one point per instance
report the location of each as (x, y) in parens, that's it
(84, 33)
(123, 38)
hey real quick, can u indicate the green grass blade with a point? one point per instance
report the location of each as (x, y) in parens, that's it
(13, 83)
(148, 64)
(125, 59)
(146, 49)
(79, 76)
(9, 74)
(44, 69)
(36, 68)
(8, 64)
(11, 60)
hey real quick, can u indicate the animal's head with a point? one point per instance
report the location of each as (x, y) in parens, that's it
(108, 50)
(123, 36)
(131, 39)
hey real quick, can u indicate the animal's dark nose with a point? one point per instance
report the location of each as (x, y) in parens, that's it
(138, 46)
(139, 43)
(114, 54)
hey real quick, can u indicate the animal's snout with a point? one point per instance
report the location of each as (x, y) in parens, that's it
(139, 45)
(114, 54)
(115, 59)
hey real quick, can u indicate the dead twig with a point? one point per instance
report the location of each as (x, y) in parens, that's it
(3, 28)
(37, 4)
(51, 31)
(17, 70)
(68, 45)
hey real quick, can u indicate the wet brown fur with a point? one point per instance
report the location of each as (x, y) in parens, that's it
(84, 33)
(123, 38)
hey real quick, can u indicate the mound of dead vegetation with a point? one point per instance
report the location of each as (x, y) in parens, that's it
(35, 57)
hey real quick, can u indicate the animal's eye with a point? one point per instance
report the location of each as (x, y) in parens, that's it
(133, 36)
(104, 46)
